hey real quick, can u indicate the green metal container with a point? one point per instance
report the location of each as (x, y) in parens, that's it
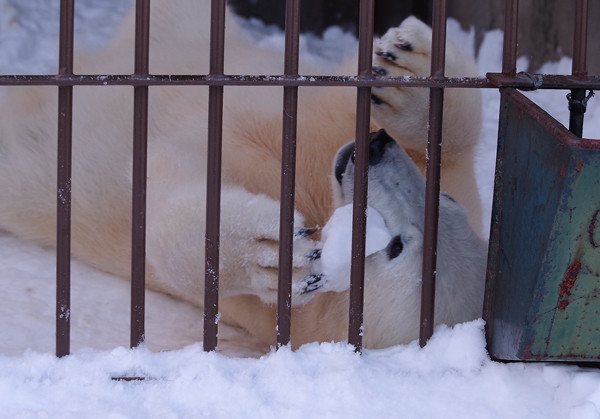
(543, 283)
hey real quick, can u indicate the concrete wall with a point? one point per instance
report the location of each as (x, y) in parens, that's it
(545, 27)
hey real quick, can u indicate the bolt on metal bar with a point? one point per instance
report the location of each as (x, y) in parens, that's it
(434, 157)
(359, 209)
(213, 186)
(63, 207)
(577, 97)
(139, 173)
(511, 25)
(288, 175)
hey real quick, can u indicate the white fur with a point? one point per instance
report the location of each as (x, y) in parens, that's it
(101, 181)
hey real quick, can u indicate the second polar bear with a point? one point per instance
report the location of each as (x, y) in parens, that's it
(101, 181)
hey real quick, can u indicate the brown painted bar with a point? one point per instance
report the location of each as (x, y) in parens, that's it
(511, 25)
(288, 175)
(432, 188)
(213, 186)
(63, 202)
(577, 97)
(519, 81)
(526, 81)
(580, 38)
(359, 215)
(140, 154)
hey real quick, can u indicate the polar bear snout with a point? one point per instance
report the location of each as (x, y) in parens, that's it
(378, 143)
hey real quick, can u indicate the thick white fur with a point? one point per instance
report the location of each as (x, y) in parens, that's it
(251, 165)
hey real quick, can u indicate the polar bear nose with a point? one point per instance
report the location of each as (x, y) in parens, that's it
(379, 141)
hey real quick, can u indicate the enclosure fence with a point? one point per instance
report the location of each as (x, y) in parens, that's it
(578, 83)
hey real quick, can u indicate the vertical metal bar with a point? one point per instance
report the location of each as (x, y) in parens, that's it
(577, 101)
(580, 38)
(213, 187)
(288, 174)
(511, 24)
(140, 152)
(359, 217)
(63, 202)
(434, 157)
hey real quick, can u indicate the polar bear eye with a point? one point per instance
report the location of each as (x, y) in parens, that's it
(395, 247)
(404, 46)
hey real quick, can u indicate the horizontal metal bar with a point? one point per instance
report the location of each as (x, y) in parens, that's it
(493, 80)
(240, 80)
(543, 81)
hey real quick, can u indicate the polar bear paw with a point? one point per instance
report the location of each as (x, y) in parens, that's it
(250, 248)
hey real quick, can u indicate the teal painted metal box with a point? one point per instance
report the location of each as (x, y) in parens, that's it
(543, 283)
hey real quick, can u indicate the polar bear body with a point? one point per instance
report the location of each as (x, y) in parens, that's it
(102, 155)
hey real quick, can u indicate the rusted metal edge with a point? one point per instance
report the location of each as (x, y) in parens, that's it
(288, 175)
(139, 174)
(63, 182)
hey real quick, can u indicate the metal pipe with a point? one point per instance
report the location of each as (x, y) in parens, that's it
(139, 174)
(288, 175)
(434, 156)
(359, 217)
(63, 202)
(213, 186)
(577, 97)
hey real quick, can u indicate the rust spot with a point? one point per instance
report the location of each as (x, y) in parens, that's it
(563, 170)
(579, 165)
(592, 229)
(568, 283)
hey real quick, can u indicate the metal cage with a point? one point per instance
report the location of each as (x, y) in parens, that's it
(363, 80)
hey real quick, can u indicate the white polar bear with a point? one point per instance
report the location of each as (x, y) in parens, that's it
(101, 178)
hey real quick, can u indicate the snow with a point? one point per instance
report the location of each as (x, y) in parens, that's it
(451, 377)
(336, 253)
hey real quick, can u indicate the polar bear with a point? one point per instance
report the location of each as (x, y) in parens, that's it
(101, 178)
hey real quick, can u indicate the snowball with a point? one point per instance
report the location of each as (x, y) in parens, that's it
(337, 244)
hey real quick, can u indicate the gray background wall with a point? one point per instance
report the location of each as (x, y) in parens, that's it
(545, 28)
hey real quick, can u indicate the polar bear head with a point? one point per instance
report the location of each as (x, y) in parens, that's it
(396, 189)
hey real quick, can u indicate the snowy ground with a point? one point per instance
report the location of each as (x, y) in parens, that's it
(451, 377)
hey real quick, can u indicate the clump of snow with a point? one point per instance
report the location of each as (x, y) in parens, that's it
(336, 253)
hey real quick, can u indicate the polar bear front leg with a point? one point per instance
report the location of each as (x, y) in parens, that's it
(250, 248)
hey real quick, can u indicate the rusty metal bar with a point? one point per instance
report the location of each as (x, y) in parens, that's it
(213, 186)
(434, 158)
(493, 80)
(511, 25)
(140, 154)
(528, 81)
(288, 174)
(359, 214)
(577, 97)
(580, 38)
(63, 202)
